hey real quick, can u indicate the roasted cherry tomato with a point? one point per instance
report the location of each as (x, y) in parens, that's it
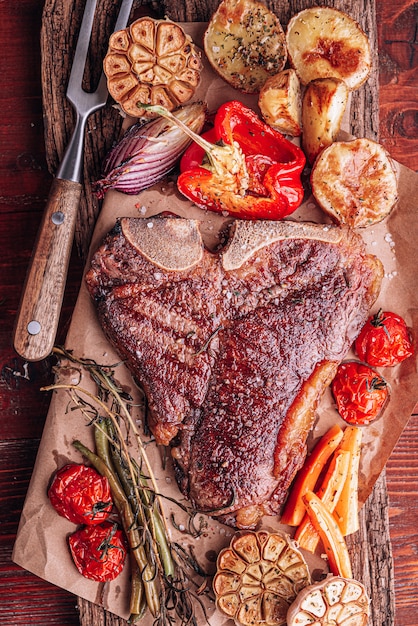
(81, 494)
(360, 393)
(384, 340)
(99, 552)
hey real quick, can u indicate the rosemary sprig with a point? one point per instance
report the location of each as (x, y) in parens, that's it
(161, 572)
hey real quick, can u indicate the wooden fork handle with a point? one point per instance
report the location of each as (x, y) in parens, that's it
(40, 306)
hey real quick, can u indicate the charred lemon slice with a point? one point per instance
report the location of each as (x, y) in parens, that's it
(324, 42)
(258, 576)
(335, 600)
(151, 62)
(245, 44)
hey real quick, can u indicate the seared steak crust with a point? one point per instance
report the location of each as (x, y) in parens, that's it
(234, 350)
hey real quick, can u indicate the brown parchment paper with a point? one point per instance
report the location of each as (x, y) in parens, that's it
(41, 545)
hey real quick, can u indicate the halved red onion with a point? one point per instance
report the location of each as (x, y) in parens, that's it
(148, 152)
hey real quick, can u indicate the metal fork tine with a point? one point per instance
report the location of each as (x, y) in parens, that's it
(124, 13)
(74, 88)
(122, 20)
(40, 305)
(80, 56)
(83, 102)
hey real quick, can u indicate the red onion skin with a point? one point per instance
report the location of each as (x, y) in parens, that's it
(147, 152)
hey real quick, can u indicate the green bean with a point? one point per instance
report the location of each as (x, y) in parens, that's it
(138, 601)
(152, 514)
(129, 523)
(101, 439)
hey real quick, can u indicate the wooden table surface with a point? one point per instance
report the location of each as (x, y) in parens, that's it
(24, 184)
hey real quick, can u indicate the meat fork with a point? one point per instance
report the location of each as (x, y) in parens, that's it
(41, 301)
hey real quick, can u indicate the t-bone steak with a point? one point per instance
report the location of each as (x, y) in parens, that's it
(233, 349)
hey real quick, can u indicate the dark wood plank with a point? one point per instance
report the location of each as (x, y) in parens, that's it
(398, 67)
(26, 599)
(24, 184)
(398, 72)
(402, 475)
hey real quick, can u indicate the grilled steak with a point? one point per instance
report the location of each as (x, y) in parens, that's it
(234, 350)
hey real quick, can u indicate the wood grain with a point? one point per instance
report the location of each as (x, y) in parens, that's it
(43, 293)
(25, 182)
(398, 67)
(364, 122)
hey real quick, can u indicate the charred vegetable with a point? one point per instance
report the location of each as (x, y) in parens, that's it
(329, 492)
(323, 107)
(307, 477)
(280, 102)
(80, 494)
(331, 536)
(346, 510)
(323, 42)
(163, 573)
(245, 44)
(355, 182)
(99, 552)
(258, 577)
(147, 152)
(360, 392)
(336, 600)
(251, 172)
(384, 341)
(151, 62)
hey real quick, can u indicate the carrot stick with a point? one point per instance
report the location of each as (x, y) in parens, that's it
(307, 477)
(329, 493)
(331, 536)
(346, 509)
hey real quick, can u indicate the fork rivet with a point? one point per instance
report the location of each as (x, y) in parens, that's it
(58, 218)
(34, 327)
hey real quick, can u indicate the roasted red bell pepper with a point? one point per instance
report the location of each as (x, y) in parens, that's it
(243, 167)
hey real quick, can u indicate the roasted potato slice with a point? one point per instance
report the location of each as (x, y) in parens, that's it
(323, 106)
(355, 182)
(334, 600)
(280, 102)
(245, 44)
(151, 62)
(324, 42)
(258, 577)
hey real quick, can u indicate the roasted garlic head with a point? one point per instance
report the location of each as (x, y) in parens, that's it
(334, 601)
(258, 577)
(151, 62)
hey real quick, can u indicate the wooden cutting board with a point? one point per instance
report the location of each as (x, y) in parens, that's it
(369, 548)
